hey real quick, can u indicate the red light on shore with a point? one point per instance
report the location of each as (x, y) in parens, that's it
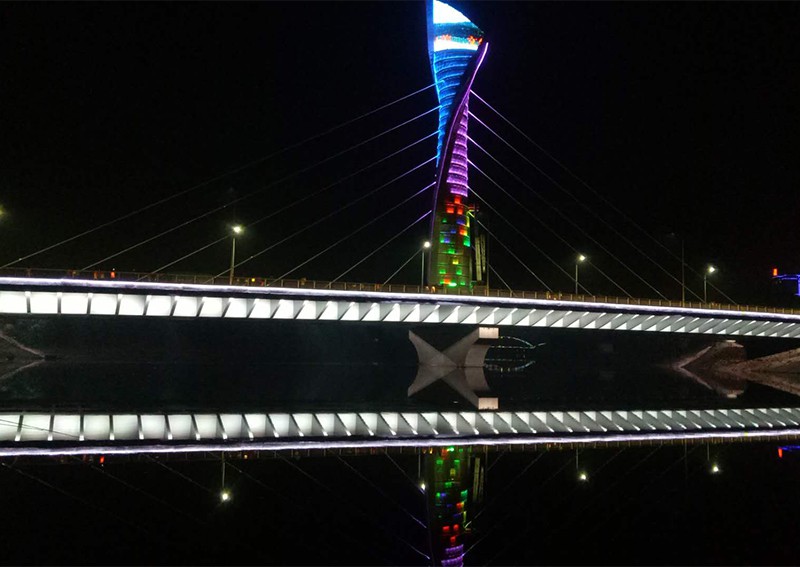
(774, 272)
(780, 452)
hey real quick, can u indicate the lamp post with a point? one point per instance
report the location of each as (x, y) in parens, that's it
(425, 246)
(236, 230)
(579, 260)
(709, 270)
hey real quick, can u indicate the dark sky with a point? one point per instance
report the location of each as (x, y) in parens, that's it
(683, 115)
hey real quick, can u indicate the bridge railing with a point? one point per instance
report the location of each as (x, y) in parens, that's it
(303, 283)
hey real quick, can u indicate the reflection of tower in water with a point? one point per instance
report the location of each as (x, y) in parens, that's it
(454, 481)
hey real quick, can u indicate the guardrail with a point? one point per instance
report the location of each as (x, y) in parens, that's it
(303, 283)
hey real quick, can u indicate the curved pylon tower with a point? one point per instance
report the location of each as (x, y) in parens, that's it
(456, 47)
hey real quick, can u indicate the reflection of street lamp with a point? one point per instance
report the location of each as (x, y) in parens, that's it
(425, 246)
(237, 230)
(709, 270)
(581, 259)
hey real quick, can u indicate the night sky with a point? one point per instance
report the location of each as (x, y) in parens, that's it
(683, 115)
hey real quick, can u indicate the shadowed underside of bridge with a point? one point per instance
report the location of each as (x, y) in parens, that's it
(43, 434)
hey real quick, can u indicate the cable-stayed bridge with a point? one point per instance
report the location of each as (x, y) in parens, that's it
(378, 238)
(613, 278)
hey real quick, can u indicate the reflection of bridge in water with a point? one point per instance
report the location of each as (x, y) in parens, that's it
(73, 433)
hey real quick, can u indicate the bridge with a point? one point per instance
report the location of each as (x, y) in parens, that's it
(322, 301)
(456, 294)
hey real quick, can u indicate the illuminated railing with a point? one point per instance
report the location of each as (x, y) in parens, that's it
(303, 283)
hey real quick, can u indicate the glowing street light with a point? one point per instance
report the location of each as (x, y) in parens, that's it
(579, 260)
(709, 270)
(425, 246)
(225, 495)
(583, 477)
(236, 230)
(715, 469)
(422, 486)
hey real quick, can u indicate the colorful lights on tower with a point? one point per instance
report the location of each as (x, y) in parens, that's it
(456, 47)
(448, 476)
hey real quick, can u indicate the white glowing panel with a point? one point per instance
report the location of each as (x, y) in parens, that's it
(154, 427)
(212, 307)
(96, 427)
(450, 418)
(308, 311)
(233, 424)
(261, 309)
(237, 308)
(285, 309)
(327, 421)
(304, 422)
(206, 425)
(280, 421)
(412, 419)
(371, 420)
(185, 306)
(131, 305)
(103, 304)
(349, 422)
(8, 426)
(159, 306)
(44, 302)
(180, 426)
(257, 423)
(35, 427)
(74, 303)
(13, 302)
(392, 420)
(126, 427)
(66, 427)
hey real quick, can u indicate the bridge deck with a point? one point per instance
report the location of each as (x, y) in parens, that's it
(478, 291)
(66, 296)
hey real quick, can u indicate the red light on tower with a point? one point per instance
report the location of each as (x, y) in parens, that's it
(774, 272)
(780, 452)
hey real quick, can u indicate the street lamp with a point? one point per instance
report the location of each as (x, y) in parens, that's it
(425, 246)
(709, 270)
(580, 260)
(236, 230)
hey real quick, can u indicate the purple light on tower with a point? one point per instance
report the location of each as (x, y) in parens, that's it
(456, 49)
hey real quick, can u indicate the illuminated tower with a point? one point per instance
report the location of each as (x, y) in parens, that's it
(456, 50)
